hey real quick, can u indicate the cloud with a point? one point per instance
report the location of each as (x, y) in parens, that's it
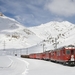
(26, 12)
(64, 8)
(22, 10)
(21, 6)
(25, 19)
(36, 12)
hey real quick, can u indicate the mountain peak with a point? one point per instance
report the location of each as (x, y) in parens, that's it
(12, 32)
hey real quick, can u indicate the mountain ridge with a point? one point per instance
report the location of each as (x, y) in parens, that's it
(56, 32)
(18, 36)
(12, 32)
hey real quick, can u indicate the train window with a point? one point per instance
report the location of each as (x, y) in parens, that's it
(68, 52)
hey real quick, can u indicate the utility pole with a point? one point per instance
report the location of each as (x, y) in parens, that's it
(56, 43)
(43, 47)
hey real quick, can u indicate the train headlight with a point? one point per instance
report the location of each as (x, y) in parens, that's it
(72, 57)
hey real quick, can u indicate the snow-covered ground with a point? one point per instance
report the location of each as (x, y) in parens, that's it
(10, 65)
(40, 67)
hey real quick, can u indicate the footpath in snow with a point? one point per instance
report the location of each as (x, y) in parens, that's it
(10, 65)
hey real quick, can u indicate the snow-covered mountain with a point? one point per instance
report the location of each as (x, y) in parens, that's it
(60, 33)
(15, 35)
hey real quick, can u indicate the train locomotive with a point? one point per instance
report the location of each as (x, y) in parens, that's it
(64, 55)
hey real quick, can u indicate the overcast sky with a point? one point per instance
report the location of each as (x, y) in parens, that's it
(36, 12)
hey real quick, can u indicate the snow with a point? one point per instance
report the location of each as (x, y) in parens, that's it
(2, 62)
(15, 40)
(10, 65)
(41, 67)
(12, 32)
(62, 31)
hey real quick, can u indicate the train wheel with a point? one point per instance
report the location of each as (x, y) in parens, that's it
(71, 63)
(64, 63)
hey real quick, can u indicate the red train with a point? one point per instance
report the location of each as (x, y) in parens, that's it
(64, 55)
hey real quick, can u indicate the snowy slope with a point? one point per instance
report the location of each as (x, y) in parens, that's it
(15, 35)
(61, 33)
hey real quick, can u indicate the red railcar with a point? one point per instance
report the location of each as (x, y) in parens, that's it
(53, 56)
(65, 55)
(32, 56)
(39, 55)
(47, 55)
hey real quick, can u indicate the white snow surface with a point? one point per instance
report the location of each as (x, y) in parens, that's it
(53, 32)
(12, 32)
(13, 35)
(10, 65)
(41, 67)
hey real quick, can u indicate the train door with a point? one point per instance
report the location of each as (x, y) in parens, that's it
(63, 54)
(72, 55)
(72, 52)
(69, 54)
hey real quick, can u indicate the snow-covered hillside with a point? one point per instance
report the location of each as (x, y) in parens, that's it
(15, 35)
(53, 32)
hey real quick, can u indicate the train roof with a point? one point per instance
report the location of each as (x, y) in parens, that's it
(66, 47)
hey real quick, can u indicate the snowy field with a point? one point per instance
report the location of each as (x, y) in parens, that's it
(10, 65)
(40, 67)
